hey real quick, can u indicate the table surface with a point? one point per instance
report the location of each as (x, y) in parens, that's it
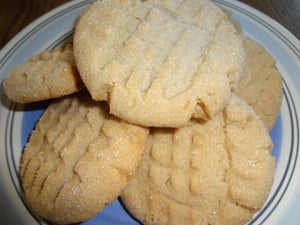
(17, 14)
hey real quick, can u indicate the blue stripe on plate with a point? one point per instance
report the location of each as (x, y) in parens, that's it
(9, 137)
(267, 25)
(38, 27)
(292, 159)
(12, 167)
(289, 171)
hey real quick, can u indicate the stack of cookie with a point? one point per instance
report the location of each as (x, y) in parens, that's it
(170, 110)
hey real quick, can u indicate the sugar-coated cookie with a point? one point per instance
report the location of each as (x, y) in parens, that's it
(49, 74)
(214, 172)
(159, 63)
(78, 159)
(261, 86)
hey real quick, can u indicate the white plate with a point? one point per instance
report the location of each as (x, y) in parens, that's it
(56, 27)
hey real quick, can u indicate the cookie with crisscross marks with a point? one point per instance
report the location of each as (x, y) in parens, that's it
(214, 172)
(78, 159)
(159, 63)
(46, 75)
(261, 85)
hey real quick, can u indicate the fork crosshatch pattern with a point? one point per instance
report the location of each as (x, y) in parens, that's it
(16, 125)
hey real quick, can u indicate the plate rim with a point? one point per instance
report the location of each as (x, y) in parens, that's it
(8, 47)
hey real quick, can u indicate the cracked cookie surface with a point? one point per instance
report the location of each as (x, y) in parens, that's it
(159, 63)
(49, 74)
(214, 172)
(261, 85)
(78, 159)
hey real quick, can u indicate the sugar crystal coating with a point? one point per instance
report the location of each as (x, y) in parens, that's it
(214, 172)
(159, 63)
(46, 75)
(78, 159)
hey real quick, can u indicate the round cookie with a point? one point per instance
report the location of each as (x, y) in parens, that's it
(49, 74)
(78, 159)
(261, 86)
(214, 172)
(159, 63)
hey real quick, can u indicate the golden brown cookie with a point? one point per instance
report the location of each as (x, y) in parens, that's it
(214, 172)
(78, 159)
(261, 86)
(234, 21)
(49, 74)
(159, 63)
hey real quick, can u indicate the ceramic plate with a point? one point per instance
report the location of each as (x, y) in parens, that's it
(57, 27)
